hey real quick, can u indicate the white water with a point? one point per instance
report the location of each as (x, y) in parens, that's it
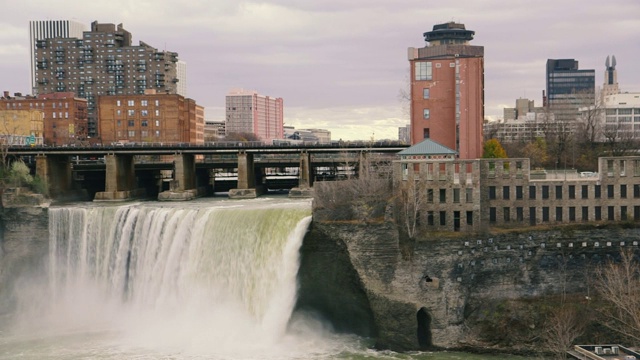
(208, 279)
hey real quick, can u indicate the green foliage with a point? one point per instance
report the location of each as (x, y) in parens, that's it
(20, 175)
(492, 149)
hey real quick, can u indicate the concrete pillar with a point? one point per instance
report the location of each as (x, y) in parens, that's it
(120, 179)
(55, 171)
(362, 163)
(184, 172)
(246, 178)
(306, 177)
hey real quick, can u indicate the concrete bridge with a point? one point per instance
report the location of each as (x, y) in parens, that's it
(125, 172)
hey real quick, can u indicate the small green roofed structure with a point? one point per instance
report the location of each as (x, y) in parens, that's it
(427, 149)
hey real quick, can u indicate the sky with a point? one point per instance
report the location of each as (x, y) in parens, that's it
(342, 64)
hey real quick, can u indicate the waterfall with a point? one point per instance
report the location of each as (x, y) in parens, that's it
(184, 276)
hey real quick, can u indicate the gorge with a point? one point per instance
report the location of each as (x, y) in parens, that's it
(181, 277)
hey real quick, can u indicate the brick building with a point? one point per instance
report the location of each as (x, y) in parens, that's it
(447, 90)
(64, 116)
(474, 195)
(103, 62)
(157, 118)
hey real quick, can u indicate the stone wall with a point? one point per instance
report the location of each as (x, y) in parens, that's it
(454, 278)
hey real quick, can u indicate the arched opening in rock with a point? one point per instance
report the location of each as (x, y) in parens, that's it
(424, 328)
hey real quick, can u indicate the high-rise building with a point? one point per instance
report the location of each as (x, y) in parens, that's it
(41, 30)
(103, 62)
(610, 86)
(159, 118)
(447, 90)
(250, 112)
(568, 88)
(181, 75)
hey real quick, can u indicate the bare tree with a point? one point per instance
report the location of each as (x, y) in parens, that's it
(619, 286)
(411, 195)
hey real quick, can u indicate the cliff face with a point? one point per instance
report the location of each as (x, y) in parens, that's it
(448, 292)
(24, 238)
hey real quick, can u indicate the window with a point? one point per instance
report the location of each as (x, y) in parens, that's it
(430, 195)
(623, 191)
(636, 191)
(572, 213)
(623, 213)
(157, 102)
(469, 195)
(426, 114)
(425, 93)
(118, 112)
(456, 195)
(423, 70)
(585, 213)
(558, 213)
(131, 103)
(598, 213)
(505, 192)
(572, 191)
(585, 191)
(430, 218)
(443, 218)
(558, 192)
(520, 214)
(144, 113)
(492, 192)
(157, 133)
(470, 217)
(519, 192)
(597, 191)
(157, 122)
(545, 191)
(610, 191)
(636, 212)
(545, 213)
(131, 123)
(492, 214)
(532, 192)
(157, 112)
(144, 123)
(132, 133)
(443, 196)
(506, 212)
(143, 102)
(131, 112)
(610, 213)
(532, 216)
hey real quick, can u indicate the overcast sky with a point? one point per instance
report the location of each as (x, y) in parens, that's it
(340, 64)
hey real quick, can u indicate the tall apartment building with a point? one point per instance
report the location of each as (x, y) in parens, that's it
(568, 88)
(103, 62)
(151, 117)
(447, 90)
(250, 112)
(41, 30)
(64, 116)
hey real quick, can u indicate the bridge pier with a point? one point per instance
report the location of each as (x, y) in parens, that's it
(247, 188)
(56, 172)
(183, 186)
(305, 179)
(120, 182)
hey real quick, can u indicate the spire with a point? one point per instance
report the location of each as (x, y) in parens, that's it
(606, 63)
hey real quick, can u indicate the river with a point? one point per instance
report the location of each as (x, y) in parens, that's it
(207, 279)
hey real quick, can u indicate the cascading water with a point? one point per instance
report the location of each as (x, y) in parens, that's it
(181, 279)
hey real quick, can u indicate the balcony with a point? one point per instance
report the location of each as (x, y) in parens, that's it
(43, 82)
(41, 44)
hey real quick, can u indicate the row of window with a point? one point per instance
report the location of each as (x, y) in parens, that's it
(559, 192)
(132, 133)
(143, 113)
(133, 103)
(143, 123)
(559, 214)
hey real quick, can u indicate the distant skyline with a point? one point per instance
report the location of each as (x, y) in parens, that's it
(341, 65)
